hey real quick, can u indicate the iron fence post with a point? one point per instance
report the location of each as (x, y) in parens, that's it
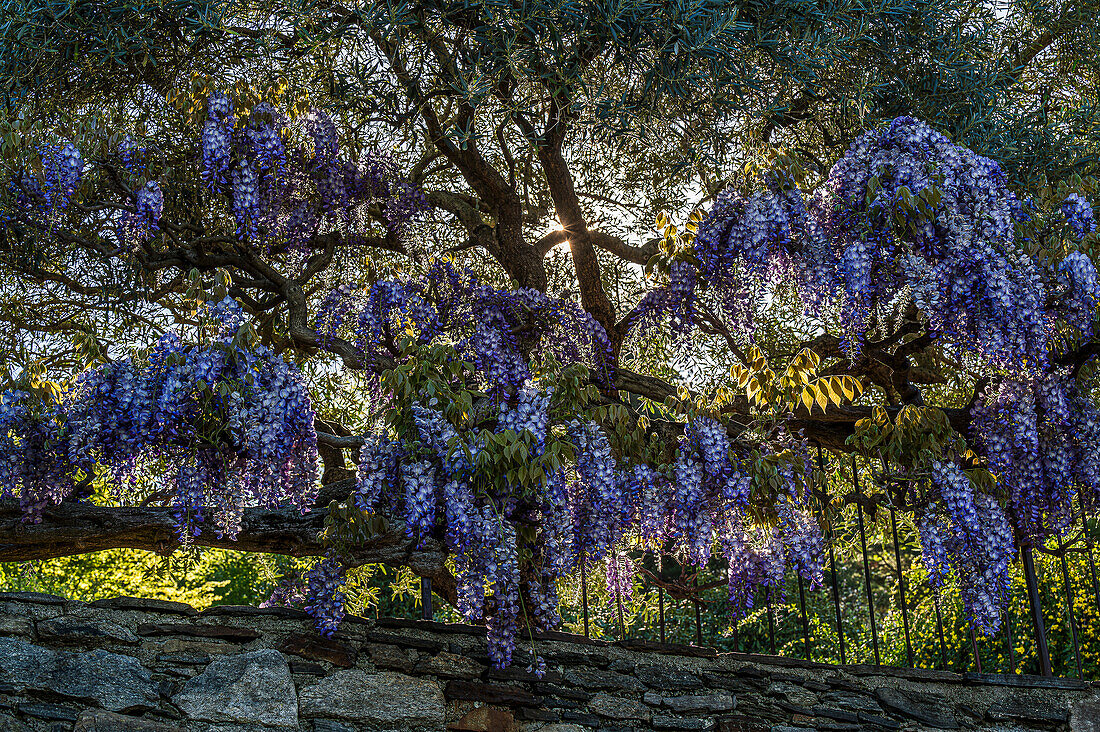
(1036, 610)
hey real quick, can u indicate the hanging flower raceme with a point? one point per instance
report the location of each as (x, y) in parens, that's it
(137, 226)
(620, 577)
(967, 530)
(1079, 215)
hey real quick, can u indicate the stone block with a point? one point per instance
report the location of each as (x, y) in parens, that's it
(248, 688)
(390, 699)
(231, 633)
(701, 703)
(450, 666)
(667, 678)
(101, 721)
(67, 629)
(616, 707)
(18, 625)
(926, 709)
(316, 648)
(112, 681)
(590, 678)
(145, 604)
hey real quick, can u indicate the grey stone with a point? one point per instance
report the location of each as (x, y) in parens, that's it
(667, 678)
(590, 678)
(652, 698)
(48, 711)
(33, 598)
(852, 700)
(327, 725)
(145, 604)
(67, 629)
(450, 666)
(614, 707)
(22, 661)
(701, 703)
(9, 723)
(1026, 710)
(792, 693)
(16, 625)
(562, 728)
(385, 655)
(927, 709)
(100, 721)
(668, 721)
(1086, 716)
(249, 688)
(110, 680)
(184, 659)
(386, 698)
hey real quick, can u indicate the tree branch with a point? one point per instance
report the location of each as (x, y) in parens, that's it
(79, 528)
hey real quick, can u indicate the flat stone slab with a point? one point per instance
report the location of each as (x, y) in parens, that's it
(109, 680)
(391, 699)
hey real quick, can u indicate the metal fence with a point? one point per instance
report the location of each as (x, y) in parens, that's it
(849, 617)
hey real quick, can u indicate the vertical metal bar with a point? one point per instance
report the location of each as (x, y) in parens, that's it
(584, 598)
(661, 610)
(771, 623)
(939, 629)
(698, 623)
(425, 598)
(866, 563)
(1092, 559)
(901, 589)
(832, 561)
(1011, 640)
(1069, 611)
(974, 647)
(1036, 610)
(805, 620)
(698, 614)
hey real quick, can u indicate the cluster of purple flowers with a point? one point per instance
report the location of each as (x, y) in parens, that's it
(497, 330)
(582, 513)
(282, 196)
(620, 576)
(1039, 434)
(967, 530)
(905, 210)
(137, 226)
(34, 465)
(1079, 215)
(324, 591)
(1082, 291)
(217, 426)
(44, 198)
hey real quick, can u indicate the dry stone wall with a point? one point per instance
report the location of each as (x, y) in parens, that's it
(131, 665)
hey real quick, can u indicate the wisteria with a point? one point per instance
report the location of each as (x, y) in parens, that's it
(137, 226)
(498, 330)
(282, 195)
(967, 530)
(1079, 215)
(1038, 435)
(217, 427)
(324, 590)
(904, 213)
(499, 433)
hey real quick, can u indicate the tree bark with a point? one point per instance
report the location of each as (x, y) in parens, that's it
(80, 528)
